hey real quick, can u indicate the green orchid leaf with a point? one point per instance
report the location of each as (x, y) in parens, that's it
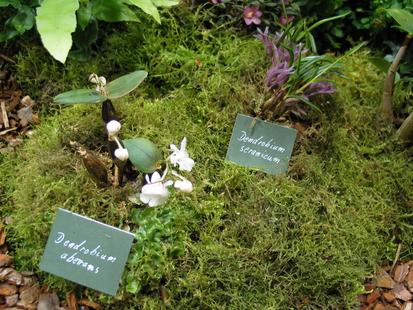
(125, 84)
(56, 20)
(403, 18)
(79, 96)
(143, 154)
(148, 7)
(113, 11)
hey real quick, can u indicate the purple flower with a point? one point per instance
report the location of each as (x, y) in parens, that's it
(286, 20)
(216, 1)
(319, 88)
(252, 15)
(278, 75)
(286, 2)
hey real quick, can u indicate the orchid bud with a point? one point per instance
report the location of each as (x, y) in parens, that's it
(184, 186)
(121, 154)
(93, 78)
(113, 127)
(102, 80)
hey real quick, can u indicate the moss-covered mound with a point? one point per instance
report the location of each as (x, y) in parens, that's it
(242, 239)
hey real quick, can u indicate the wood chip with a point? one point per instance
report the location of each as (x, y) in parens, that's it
(2, 235)
(384, 280)
(409, 280)
(389, 296)
(15, 278)
(4, 114)
(408, 306)
(48, 302)
(71, 301)
(7, 289)
(401, 292)
(90, 304)
(401, 272)
(371, 299)
(28, 297)
(379, 306)
(5, 260)
(11, 300)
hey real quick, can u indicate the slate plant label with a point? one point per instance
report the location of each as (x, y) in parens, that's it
(262, 145)
(87, 252)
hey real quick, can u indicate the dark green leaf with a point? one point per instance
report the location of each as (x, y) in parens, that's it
(143, 154)
(14, 3)
(84, 13)
(112, 11)
(24, 20)
(125, 84)
(79, 96)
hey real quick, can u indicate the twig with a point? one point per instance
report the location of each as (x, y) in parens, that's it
(399, 249)
(4, 115)
(7, 58)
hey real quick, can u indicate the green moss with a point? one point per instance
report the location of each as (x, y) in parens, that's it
(250, 240)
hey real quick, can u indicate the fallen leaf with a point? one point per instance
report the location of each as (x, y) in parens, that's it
(379, 306)
(4, 272)
(27, 101)
(409, 280)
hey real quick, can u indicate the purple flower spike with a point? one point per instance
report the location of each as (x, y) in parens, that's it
(278, 75)
(252, 15)
(319, 88)
(216, 1)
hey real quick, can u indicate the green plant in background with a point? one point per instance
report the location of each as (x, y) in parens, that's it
(57, 20)
(405, 21)
(295, 76)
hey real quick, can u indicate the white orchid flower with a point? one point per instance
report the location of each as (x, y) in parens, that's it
(155, 192)
(181, 157)
(113, 127)
(184, 185)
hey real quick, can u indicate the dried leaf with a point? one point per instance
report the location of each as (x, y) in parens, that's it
(2, 235)
(14, 278)
(11, 300)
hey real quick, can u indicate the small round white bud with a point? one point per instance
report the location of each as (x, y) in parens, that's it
(113, 127)
(121, 154)
(184, 186)
(93, 78)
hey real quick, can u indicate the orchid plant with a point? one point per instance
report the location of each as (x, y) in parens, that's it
(297, 74)
(132, 154)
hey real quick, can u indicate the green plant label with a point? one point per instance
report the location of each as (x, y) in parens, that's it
(262, 145)
(87, 252)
